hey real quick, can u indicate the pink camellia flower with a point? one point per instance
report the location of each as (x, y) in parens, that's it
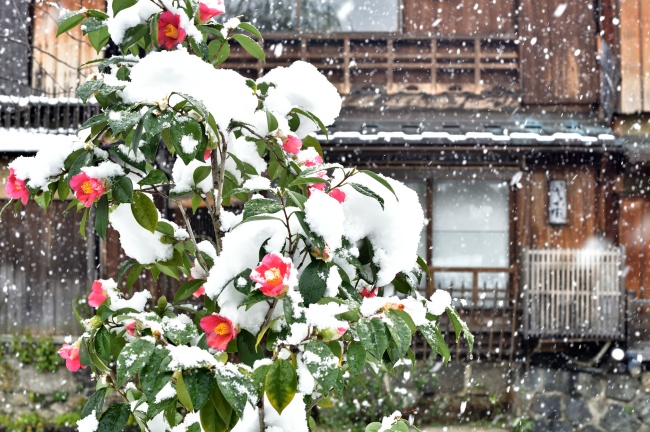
(98, 295)
(199, 292)
(206, 12)
(130, 327)
(71, 355)
(87, 188)
(337, 194)
(170, 32)
(369, 293)
(316, 160)
(219, 330)
(15, 188)
(292, 145)
(208, 152)
(319, 186)
(272, 275)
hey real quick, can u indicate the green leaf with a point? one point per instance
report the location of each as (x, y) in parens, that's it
(154, 177)
(187, 289)
(313, 281)
(95, 403)
(367, 192)
(424, 267)
(103, 344)
(313, 118)
(144, 211)
(356, 358)
(123, 190)
(69, 20)
(82, 224)
(271, 121)
(196, 202)
(400, 333)
(373, 336)
(121, 121)
(119, 5)
(186, 131)
(381, 180)
(261, 206)
(99, 38)
(281, 384)
(322, 364)
(154, 375)
(201, 173)
(86, 90)
(250, 28)
(310, 141)
(133, 358)
(247, 349)
(373, 427)
(211, 421)
(101, 217)
(460, 327)
(83, 160)
(199, 383)
(114, 418)
(235, 388)
(436, 340)
(221, 54)
(308, 180)
(250, 46)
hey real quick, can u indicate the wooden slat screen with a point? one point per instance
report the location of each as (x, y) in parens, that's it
(573, 293)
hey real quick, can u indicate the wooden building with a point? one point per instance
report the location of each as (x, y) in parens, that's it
(499, 113)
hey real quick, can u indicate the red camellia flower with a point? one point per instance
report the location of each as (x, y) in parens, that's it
(219, 330)
(337, 194)
(170, 32)
(292, 144)
(98, 295)
(207, 12)
(199, 292)
(71, 355)
(87, 188)
(208, 152)
(15, 188)
(272, 275)
(131, 327)
(369, 293)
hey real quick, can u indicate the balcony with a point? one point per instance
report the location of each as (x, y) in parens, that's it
(394, 64)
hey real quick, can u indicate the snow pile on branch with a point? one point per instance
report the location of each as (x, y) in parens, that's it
(302, 86)
(224, 92)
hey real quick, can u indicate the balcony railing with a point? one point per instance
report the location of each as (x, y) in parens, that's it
(358, 62)
(573, 293)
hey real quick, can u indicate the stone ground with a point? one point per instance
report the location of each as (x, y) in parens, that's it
(460, 429)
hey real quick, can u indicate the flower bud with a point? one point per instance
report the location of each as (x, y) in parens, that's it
(330, 334)
(94, 322)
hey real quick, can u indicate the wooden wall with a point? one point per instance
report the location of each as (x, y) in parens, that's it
(635, 55)
(45, 266)
(55, 60)
(635, 236)
(558, 53)
(15, 48)
(457, 17)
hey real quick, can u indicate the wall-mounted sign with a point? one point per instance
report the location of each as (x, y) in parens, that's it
(557, 204)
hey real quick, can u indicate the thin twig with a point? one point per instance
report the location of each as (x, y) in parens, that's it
(199, 257)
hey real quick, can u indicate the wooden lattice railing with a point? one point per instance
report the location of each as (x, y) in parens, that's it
(394, 63)
(573, 293)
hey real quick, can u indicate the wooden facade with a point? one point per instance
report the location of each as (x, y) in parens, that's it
(635, 56)
(472, 78)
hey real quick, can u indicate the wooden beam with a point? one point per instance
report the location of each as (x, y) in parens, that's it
(631, 90)
(645, 53)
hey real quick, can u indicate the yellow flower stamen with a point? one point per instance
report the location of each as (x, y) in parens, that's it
(171, 31)
(222, 329)
(87, 187)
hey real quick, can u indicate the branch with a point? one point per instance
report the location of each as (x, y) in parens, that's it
(199, 257)
(260, 416)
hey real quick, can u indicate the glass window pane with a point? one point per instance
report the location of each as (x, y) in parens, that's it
(349, 15)
(470, 224)
(267, 15)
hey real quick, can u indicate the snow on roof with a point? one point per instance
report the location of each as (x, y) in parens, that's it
(20, 140)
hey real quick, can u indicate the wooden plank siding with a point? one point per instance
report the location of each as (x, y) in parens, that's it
(581, 198)
(454, 17)
(46, 267)
(55, 60)
(635, 236)
(635, 56)
(558, 54)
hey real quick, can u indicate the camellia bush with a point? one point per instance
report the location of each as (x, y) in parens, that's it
(315, 280)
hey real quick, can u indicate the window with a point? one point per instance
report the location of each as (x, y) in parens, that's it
(470, 229)
(323, 16)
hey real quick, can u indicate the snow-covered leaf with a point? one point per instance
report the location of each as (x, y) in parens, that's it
(133, 358)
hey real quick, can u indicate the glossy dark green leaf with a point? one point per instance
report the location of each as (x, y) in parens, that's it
(154, 177)
(103, 344)
(367, 192)
(373, 336)
(114, 418)
(250, 46)
(313, 281)
(356, 358)
(144, 211)
(261, 206)
(133, 358)
(69, 20)
(199, 383)
(119, 5)
(95, 403)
